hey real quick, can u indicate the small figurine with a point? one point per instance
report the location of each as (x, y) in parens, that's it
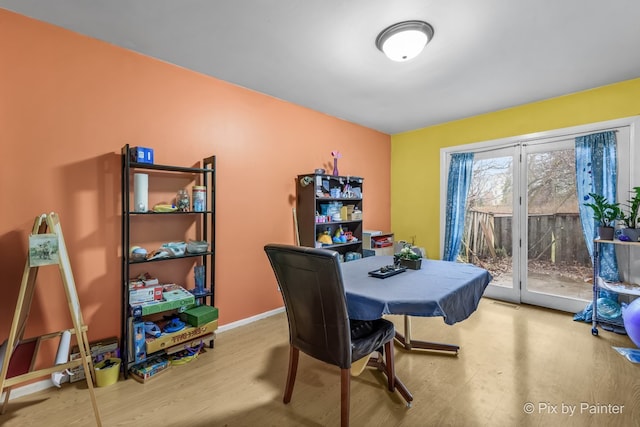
(324, 238)
(339, 236)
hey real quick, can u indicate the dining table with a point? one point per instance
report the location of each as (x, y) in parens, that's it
(451, 290)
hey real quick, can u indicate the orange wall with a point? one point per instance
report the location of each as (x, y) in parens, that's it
(68, 104)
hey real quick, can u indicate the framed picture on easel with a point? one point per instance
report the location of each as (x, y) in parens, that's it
(43, 250)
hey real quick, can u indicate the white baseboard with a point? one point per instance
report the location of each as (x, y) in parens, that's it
(251, 319)
(28, 389)
(45, 384)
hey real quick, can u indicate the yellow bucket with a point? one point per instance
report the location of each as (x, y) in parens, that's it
(107, 372)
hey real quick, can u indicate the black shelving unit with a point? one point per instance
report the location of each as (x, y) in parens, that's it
(315, 190)
(205, 230)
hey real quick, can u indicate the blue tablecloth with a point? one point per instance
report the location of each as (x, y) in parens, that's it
(440, 288)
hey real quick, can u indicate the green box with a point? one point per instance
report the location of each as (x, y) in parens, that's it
(197, 316)
(152, 307)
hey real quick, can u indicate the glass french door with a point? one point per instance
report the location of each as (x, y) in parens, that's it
(556, 267)
(522, 221)
(522, 225)
(490, 222)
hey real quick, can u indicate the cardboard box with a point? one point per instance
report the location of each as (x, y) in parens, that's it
(174, 296)
(141, 282)
(143, 290)
(141, 154)
(175, 338)
(191, 344)
(197, 316)
(144, 294)
(100, 350)
(382, 241)
(139, 344)
(173, 292)
(149, 368)
(355, 215)
(153, 307)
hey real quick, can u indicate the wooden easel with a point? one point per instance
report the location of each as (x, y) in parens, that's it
(20, 354)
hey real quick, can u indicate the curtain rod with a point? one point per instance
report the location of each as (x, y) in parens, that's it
(555, 139)
(485, 150)
(574, 135)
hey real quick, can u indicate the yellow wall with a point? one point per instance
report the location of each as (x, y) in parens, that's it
(415, 155)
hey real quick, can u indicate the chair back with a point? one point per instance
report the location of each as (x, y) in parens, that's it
(310, 280)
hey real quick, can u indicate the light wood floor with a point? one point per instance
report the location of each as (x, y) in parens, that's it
(510, 355)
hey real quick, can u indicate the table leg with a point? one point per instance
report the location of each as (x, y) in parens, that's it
(410, 344)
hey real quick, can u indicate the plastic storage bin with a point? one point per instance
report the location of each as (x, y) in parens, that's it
(107, 372)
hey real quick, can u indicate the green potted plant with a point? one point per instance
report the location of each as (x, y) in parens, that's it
(604, 213)
(631, 220)
(408, 258)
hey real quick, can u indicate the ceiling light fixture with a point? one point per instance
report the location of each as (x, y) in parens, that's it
(404, 40)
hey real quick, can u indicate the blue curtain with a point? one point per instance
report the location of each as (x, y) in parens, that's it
(458, 183)
(596, 172)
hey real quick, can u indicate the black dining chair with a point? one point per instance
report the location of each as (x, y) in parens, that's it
(310, 280)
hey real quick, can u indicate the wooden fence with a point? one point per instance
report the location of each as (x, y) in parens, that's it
(554, 237)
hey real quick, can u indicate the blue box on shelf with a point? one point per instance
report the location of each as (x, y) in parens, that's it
(141, 155)
(139, 343)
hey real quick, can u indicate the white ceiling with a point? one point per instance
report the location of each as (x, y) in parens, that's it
(486, 55)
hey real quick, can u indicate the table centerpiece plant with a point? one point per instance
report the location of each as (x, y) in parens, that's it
(408, 258)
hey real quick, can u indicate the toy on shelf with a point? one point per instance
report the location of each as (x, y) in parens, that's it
(325, 238)
(152, 329)
(174, 325)
(339, 236)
